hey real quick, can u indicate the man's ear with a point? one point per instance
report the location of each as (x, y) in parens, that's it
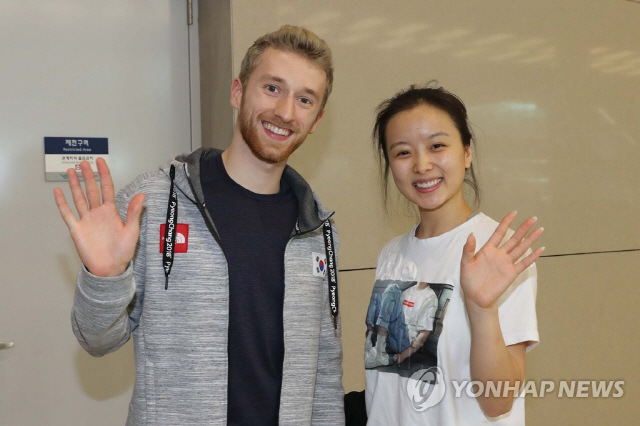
(236, 93)
(318, 118)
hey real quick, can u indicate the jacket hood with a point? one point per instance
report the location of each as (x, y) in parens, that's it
(311, 212)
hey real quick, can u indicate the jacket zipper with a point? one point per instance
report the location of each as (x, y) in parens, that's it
(203, 211)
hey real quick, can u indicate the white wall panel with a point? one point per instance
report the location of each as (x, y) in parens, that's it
(116, 69)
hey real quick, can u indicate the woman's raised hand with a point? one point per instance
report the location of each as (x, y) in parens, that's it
(486, 275)
(104, 242)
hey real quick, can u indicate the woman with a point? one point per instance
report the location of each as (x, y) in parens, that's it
(485, 317)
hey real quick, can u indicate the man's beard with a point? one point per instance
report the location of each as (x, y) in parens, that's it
(271, 154)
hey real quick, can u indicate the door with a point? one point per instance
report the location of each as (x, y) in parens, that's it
(78, 68)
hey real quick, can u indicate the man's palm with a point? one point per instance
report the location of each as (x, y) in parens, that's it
(104, 242)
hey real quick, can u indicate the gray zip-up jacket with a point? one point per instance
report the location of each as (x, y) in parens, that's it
(180, 334)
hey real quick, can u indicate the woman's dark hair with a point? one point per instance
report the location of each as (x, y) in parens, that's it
(431, 95)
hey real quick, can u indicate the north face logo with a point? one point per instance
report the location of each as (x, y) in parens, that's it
(182, 238)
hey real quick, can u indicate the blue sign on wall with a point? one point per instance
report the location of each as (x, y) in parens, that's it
(63, 153)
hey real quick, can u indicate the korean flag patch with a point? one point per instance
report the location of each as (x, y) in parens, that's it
(319, 264)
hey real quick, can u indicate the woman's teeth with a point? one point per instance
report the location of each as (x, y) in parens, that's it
(428, 184)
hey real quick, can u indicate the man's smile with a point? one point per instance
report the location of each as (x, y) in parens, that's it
(275, 129)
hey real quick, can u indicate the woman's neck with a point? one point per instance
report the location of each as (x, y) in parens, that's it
(447, 217)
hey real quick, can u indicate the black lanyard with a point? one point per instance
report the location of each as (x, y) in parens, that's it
(170, 229)
(332, 273)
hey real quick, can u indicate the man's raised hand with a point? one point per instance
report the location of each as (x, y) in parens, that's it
(104, 242)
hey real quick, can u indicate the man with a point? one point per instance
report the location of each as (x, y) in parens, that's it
(214, 270)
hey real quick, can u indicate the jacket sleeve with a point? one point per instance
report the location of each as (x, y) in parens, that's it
(328, 400)
(107, 309)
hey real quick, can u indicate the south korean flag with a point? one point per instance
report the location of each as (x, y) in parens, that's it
(319, 264)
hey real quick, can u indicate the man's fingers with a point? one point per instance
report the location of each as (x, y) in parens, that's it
(134, 211)
(90, 185)
(520, 233)
(528, 261)
(76, 193)
(106, 183)
(63, 208)
(502, 229)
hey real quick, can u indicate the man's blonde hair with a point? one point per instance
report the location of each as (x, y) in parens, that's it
(293, 39)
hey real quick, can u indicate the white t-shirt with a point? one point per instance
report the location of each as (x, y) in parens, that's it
(403, 394)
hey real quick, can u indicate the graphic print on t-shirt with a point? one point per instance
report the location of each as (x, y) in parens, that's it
(404, 322)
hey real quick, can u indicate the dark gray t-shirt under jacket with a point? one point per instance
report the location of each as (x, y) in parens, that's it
(254, 230)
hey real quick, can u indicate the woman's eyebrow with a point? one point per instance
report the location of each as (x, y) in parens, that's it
(393, 145)
(438, 134)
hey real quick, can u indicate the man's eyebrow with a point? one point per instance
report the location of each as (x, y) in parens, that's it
(277, 79)
(311, 92)
(273, 78)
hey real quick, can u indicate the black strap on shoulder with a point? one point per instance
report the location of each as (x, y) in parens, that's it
(332, 272)
(170, 229)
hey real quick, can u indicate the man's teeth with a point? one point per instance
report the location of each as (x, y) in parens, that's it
(276, 130)
(428, 184)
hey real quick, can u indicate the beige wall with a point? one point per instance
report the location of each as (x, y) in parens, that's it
(587, 315)
(552, 90)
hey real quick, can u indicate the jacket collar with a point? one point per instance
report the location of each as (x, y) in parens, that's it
(311, 212)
